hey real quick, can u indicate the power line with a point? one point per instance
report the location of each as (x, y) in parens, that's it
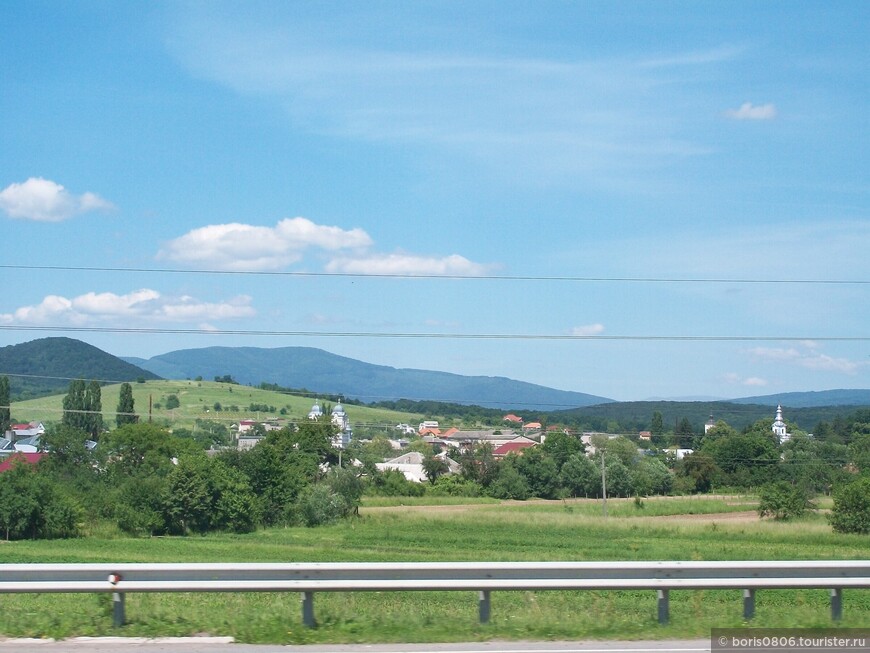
(470, 277)
(420, 335)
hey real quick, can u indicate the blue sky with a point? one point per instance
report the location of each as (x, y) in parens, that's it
(629, 199)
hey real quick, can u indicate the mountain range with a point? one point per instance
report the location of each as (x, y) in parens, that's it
(319, 371)
(46, 365)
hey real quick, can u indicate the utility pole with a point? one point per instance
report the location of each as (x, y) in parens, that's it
(603, 486)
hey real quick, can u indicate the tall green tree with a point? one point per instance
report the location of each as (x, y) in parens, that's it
(74, 406)
(125, 414)
(94, 410)
(657, 424)
(5, 408)
(684, 434)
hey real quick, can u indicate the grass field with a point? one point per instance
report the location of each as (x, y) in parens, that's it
(198, 399)
(663, 529)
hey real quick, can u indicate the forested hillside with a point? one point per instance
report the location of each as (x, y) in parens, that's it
(45, 366)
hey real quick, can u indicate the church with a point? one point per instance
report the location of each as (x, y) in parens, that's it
(340, 419)
(779, 428)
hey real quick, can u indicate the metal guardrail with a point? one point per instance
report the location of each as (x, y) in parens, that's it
(482, 577)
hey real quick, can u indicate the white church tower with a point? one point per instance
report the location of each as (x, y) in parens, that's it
(778, 427)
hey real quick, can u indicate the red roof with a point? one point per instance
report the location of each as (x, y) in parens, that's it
(450, 431)
(532, 425)
(510, 447)
(512, 418)
(20, 427)
(28, 458)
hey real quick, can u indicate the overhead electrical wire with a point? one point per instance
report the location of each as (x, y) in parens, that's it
(470, 277)
(446, 336)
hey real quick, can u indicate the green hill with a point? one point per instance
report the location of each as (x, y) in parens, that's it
(199, 399)
(46, 366)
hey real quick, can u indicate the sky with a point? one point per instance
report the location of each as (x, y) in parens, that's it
(634, 200)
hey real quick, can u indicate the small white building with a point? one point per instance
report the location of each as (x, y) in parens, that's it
(411, 465)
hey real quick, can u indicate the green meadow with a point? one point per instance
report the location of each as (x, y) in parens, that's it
(197, 401)
(723, 528)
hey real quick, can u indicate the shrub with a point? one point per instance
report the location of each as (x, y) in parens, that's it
(319, 505)
(782, 500)
(453, 485)
(851, 511)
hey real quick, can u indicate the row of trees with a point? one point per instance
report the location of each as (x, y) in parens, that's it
(148, 481)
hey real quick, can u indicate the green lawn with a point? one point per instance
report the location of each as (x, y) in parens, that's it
(675, 529)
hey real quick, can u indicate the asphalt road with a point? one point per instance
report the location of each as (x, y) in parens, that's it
(225, 645)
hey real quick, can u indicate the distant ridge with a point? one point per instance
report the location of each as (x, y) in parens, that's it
(811, 399)
(45, 366)
(322, 372)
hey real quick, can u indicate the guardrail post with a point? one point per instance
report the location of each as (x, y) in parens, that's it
(748, 604)
(118, 617)
(308, 609)
(836, 604)
(663, 605)
(483, 606)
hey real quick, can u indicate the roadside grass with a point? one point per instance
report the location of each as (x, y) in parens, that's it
(476, 531)
(678, 529)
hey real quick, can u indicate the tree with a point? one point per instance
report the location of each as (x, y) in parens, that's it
(580, 477)
(560, 447)
(124, 413)
(69, 453)
(434, 466)
(650, 476)
(479, 465)
(684, 434)
(782, 500)
(172, 402)
(5, 406)
(509, 484)
(93, 406)
(33, 506)
(657, 428)
(74, 406)
(851, 510)
(699, 469)
(748, 458)
(540, 471)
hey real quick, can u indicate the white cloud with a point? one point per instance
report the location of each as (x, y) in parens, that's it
(811, 360)
(237, 246)
(749, 111)
(145, 304)
(408, 264)
(735, 379)
(588, 330)
(46, 201)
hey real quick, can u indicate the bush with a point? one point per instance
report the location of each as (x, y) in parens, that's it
(453, 485)
(320, 505)
(392, 483)
(782, 500)
(851, 511)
